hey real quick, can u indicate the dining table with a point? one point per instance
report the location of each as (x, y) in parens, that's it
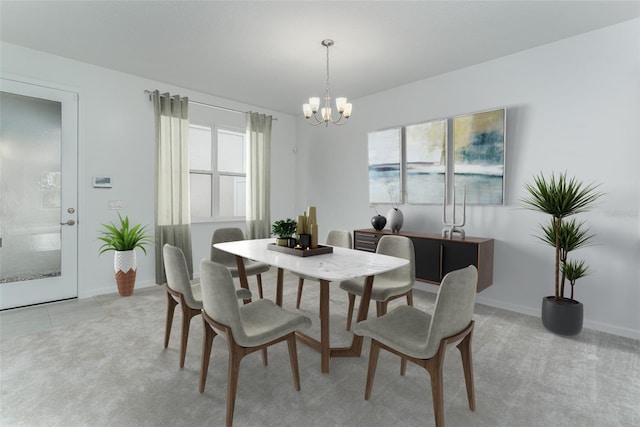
(334, 267)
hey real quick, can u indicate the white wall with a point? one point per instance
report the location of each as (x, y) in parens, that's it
(571, 106)
(116, 138)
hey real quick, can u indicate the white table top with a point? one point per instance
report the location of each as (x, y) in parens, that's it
(342, 264)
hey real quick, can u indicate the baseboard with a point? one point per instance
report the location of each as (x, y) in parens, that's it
(589, 324)
(535, 312)
(113, 289)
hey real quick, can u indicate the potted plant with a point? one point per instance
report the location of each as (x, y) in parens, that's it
(562, 197)
(124, 239)
(284, 229)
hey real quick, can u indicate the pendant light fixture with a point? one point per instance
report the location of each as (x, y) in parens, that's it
(325, 117)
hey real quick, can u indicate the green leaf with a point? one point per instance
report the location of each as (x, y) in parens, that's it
(574, 270)
(123, 238)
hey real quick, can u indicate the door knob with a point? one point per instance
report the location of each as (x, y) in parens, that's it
(70, 222)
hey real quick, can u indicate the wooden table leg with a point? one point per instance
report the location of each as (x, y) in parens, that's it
(355, 349)
(324, 345)
(242, 275)
(324, 325)
(279, 284)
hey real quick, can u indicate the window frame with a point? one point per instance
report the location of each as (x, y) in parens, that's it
(215, 174)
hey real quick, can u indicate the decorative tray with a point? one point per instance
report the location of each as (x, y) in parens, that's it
(299, 251)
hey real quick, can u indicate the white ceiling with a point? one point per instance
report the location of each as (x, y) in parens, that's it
(268, 53)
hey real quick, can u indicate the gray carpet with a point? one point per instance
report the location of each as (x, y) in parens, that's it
(114, 371)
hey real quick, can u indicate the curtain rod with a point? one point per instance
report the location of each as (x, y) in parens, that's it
(148, 92)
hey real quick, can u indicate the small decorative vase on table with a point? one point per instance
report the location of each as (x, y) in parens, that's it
(396, 218)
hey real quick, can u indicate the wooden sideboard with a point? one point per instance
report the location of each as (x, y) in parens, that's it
(436, 255)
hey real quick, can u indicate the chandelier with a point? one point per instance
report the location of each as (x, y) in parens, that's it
(311, 109)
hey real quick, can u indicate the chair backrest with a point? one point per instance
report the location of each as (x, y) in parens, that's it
(454, 306)
(175, 267)
(221, 235)
(219, 298)
(402, 247)
(340, 238)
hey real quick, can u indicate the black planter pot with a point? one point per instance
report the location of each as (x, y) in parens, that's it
(378, 222)
(562, 317)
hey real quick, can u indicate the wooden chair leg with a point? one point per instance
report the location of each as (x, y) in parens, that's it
(410, 298)
(207, 341)
(259, 279)
(171, 306)
(371, 373)
(235, 356)
(265, 359)
(352, 303)
(381, 308)
(293, 358)
(300, 284)
(403, 366)
(467, 366)
(187, 314)
(434, 367)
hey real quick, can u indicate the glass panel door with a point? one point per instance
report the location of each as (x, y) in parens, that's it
(38, 194)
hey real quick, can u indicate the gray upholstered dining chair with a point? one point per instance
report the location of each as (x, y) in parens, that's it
(247, 328)
(390, 285)
(423, 338)
(180, 290)
(252, 268)
(341, 238)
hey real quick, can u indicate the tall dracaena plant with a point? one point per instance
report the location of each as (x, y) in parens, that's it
(561, 197)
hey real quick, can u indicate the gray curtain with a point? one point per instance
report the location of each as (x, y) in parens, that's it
(173, 219)
(258, 176)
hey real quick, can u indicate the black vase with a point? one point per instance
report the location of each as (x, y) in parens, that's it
(378, 222)
(562, 317)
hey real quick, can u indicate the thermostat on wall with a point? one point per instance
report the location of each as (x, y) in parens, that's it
(101, 182)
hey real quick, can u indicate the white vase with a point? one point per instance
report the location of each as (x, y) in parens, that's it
(395, 218)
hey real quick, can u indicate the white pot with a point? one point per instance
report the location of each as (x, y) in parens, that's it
(124, 261)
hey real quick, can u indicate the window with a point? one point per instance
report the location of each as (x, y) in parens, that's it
(217, 173)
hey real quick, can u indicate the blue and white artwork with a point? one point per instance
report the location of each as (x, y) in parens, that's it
(385, 149)
(478, 146)
(426, 161)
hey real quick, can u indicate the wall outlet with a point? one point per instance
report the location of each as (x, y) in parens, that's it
(115, 205)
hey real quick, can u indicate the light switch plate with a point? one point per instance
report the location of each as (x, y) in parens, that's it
(115, 205)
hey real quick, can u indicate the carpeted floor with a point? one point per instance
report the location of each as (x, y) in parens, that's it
(113, 371)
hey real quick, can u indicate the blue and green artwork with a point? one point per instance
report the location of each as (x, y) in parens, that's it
(478, 145)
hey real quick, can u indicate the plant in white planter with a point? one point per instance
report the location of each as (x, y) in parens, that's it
(124, 239)
(561, 197)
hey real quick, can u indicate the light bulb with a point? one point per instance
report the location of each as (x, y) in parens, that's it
(347, 110)
(306, 109)
(314, 103)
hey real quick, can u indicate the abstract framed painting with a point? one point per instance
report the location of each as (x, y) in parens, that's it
(425, 145)
(478, 156)
(385, 173)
